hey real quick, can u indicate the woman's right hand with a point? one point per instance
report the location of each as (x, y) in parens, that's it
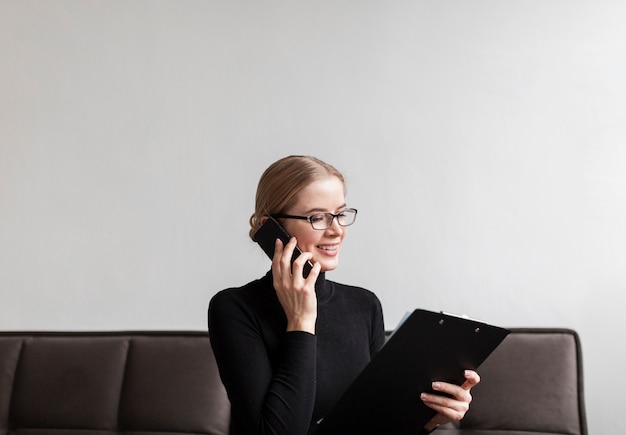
(295, 293)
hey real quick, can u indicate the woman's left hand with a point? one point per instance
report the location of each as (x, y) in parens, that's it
(454, 406)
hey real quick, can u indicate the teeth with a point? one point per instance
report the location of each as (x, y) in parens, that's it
(328, 247)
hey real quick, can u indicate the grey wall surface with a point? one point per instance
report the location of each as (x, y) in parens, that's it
(483, 143)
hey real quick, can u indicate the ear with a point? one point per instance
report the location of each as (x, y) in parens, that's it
(264, 219)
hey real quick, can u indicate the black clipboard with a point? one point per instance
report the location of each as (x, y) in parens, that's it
(426, 347)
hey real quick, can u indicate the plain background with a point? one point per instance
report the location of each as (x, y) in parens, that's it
(483, 143)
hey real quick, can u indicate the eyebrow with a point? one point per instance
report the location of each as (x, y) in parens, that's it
(321, 210)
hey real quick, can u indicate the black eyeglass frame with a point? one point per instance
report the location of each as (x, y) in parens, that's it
(310, 217)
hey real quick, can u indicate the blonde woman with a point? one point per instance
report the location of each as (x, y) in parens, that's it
(287, 347)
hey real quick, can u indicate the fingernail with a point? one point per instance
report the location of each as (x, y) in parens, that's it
(435, 385)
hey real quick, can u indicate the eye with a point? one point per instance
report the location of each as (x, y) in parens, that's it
(317, 217)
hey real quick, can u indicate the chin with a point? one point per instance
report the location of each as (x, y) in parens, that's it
(329, 266)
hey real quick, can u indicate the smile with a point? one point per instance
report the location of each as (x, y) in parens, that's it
(331, 248)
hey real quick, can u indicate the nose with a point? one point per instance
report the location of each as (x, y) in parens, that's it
(335, 228)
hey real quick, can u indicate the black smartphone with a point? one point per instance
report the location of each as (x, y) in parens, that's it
(266, 237)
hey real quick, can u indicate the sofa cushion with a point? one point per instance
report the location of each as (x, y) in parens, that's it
(69, 382)
(168, 386)
(105, 383)
(531, 384)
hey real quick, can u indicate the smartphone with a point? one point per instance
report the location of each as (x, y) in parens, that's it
(266, 237)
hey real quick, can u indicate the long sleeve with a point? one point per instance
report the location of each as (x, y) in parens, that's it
(270, 393)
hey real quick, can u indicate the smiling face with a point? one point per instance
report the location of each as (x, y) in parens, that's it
(323, 195)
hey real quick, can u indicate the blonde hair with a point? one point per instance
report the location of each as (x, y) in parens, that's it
(281, 183)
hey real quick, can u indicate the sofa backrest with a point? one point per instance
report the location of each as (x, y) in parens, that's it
(104, 383)
(149, 383)
(531, 384)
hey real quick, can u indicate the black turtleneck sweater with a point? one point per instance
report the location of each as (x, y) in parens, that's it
(282, 382)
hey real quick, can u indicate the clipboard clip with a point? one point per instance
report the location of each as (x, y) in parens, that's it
(461, 316)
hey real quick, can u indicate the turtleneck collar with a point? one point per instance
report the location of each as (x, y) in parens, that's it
(323, 288)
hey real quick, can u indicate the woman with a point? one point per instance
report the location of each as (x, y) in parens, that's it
(287, 347)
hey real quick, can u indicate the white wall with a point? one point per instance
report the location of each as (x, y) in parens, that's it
(483, 142)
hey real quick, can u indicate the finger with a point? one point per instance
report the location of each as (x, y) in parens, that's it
(446, 413)
(314, 273)
(278, 253)
(278, 248)
(281, 265)
(446, 401)
(298, 264)
(456, 392)
(451, 407)
(471, 379)
(286, 254)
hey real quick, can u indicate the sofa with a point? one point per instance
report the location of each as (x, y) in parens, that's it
(151, 382)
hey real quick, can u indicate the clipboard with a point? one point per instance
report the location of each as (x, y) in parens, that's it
(426, 347)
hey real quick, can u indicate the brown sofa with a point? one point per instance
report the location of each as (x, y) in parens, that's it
(144, 383)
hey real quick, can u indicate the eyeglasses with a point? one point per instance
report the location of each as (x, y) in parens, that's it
(323, 221)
